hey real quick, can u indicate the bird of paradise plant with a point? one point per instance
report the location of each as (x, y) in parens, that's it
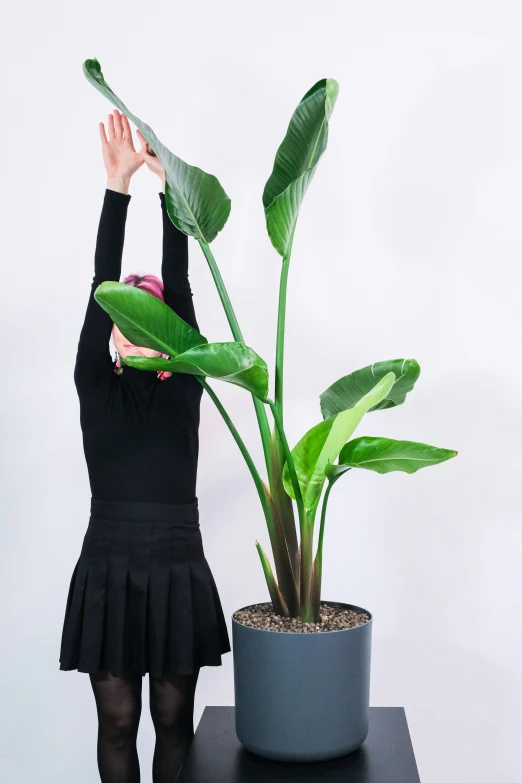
(198, 205)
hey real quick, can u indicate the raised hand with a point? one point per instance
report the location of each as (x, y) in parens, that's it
(148, 157)
(119, 156)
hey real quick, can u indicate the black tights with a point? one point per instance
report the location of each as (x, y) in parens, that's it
(118, 703)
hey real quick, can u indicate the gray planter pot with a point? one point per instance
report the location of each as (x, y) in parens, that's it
(302, 696)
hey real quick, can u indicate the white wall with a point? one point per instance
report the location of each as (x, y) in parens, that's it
(408, 244)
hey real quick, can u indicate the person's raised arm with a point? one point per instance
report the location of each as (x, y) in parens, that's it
(93, 360)
(174, 269)
(175, 258)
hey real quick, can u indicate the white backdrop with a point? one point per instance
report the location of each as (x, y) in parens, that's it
(408, 244)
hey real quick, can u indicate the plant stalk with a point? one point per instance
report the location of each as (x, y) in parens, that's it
(278, 600)
(284, 506)
(305, 575)
(318, 562)
(277, 540)
(280, 339)
(262, 418)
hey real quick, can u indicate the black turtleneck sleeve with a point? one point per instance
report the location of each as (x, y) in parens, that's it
(93, 359)
(140, 433)
(174, 269)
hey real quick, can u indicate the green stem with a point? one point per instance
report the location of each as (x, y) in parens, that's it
(304, 524)
(318, 562)
(277, 539)
(283, 501)
(262, 418)
(285, 510)
(278, 601)
(319, 555)
(291, 466)
(244, 451)
(280, 340)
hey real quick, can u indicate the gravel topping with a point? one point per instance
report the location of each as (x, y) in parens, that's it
(332, 618)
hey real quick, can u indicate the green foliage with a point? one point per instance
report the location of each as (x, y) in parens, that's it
(147, 321)
(321, 445)
(384, 455)
(296, 162)
(346, 392)
(195, 200)
(230, 362)
(198, 206)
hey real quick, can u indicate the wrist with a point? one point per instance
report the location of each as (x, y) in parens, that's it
(120, 184)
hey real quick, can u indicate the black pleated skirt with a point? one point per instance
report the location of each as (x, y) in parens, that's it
(142, 597)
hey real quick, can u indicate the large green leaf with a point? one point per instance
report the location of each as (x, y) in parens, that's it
(230, 362)
(347, 391)
(384, 455)
(195, 201)
(145, 320)
(322, 444)
(296, 161)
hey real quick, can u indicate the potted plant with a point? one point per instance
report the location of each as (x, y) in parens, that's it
(301, 665)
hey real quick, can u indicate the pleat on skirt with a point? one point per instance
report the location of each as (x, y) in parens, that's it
(142, 597)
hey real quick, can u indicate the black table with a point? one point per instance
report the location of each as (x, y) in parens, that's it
(217, 756)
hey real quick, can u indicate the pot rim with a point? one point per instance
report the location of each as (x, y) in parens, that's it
(300, 633)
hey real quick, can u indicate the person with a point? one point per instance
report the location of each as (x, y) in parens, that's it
(142, 598)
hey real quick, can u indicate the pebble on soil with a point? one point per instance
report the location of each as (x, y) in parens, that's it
(332, 618)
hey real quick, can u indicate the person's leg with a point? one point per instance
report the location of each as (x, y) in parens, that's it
(172, 712)
(118, 703)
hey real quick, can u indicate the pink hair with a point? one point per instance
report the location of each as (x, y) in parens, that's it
(152, 285)
(149, 283)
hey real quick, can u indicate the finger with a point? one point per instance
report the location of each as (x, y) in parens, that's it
(103, 137)
(145, 157)
(110, 123)
(143, 142)
(117, 125)
(127, 132)
(145, 145)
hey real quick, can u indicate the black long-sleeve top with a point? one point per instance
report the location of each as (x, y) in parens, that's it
(140, 434)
